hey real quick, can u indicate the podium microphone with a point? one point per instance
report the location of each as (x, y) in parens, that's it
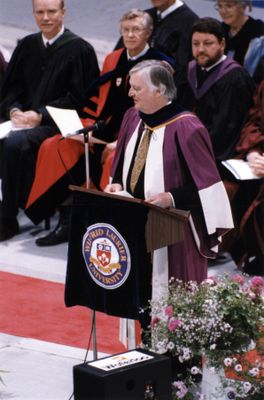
(96, 127)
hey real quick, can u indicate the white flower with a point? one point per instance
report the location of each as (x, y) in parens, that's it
(170, 346)
(187, 354)
(253, 372)
(228, 362)
(195, 371)
(161, 347)
(213, 346)
(238, 368)
(247, 386)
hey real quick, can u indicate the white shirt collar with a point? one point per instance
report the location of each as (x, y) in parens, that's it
(218, 62)
(173, 7)
(51, 41)
(139, 54)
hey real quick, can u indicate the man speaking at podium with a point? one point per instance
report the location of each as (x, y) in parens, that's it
(164, 156)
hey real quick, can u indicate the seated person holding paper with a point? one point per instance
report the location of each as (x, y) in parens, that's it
(56, 171)
(44, 66)
(248, 249)
(164, 156)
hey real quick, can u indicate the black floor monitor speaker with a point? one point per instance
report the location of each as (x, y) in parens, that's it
(134, 375)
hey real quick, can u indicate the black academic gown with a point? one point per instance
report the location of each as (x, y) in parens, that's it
(223, 109)
(172, 35)
(37, 75)
(236, 46)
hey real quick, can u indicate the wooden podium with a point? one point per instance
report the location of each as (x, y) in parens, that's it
(112, 236)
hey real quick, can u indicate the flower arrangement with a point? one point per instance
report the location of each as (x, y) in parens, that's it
(217, 321)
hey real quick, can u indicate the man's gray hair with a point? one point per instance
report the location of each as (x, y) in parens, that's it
(158, 75)
(136, 13)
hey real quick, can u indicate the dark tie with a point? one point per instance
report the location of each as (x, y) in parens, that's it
(140, 158)
(158, 17)
(201, 76)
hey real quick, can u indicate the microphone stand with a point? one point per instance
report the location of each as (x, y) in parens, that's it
(86, 148)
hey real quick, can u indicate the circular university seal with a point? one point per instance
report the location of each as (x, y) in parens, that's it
(106, 255)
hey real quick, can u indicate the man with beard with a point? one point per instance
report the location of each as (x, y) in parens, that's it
(219, 91)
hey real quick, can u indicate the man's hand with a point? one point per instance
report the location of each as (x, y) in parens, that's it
(108, 150)
(33, 118)
(25, 119)
(162, 200)
(256, 163)
(113, 187)
(18, 119)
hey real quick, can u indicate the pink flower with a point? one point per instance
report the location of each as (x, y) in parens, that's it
(173, 324)
(181, 389)
(257, 281)
(212, 281)
(238, 279)
(251, 295)
(154, 321)
(169, 311)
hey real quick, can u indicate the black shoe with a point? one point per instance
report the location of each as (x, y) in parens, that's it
(254, 267)
(59, 235)
(221, 258)
(8, 229)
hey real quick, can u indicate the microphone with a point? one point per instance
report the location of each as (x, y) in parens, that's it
(96, 127)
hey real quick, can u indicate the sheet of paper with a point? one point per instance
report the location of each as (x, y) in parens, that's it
(240, 169)
(68, 121)
(5, 129)
(123, 193)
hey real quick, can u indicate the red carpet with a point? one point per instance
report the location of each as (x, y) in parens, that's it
(34, 308)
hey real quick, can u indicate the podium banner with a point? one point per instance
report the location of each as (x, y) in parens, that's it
(108, 268)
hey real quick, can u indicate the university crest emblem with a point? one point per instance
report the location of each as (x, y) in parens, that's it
(106, 255)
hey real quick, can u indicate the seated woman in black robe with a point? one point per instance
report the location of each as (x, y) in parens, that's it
(239, 27)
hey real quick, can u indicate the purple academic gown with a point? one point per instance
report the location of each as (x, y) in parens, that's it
(187, 259)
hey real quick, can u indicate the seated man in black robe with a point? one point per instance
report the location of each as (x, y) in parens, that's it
(44, 66)
(219, 90)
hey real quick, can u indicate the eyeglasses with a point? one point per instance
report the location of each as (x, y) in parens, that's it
(135, 31)
(226, 6)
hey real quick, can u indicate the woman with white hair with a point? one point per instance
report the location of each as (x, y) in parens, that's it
(239, 27)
